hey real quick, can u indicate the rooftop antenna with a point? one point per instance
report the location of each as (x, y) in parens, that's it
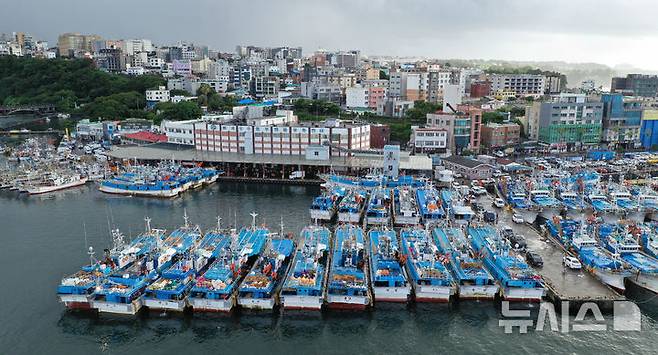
(253, 219)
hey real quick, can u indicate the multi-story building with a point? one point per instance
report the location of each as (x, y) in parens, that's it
(480, 89)
(621, 120)
(340, 136)
(265, 86)
(429, 139)
(380, 135)
(636, 85)
(566, 122)
(180, 132)
(111, 59)
(364, 96)
(70, 44)
(394, 107)
(521, 84)
(463, 127)
(496, 135)
(319, 90)
(436, 82)
(161, 94)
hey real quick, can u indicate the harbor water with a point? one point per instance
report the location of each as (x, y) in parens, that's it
(43, 238)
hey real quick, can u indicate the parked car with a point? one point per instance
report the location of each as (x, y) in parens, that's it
(518, 242)
(477, 207)
(478, 190)
(507, 232)
(490, 216)
(571, 262)
(499, 203)
(517, 218)
(534, 259)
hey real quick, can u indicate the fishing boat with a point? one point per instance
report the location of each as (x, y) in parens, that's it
(56, 182)
(602, 206)
(388, 279)
(649, 239)
(574, 205)
(347, 283)
(169, 292)
(378, 211)
(622, 241)
(405, 208)
(473, 280)
(518, 199)
(648, 199)
(611, 270)
(351, 206)
(430, 279)
(260, 288)
(324, 207)
(429, 202)
(630, 209)
(133, 185)
(517, 280)
(76, 291)
(548, 205)
(455, 208)
(215, 288)
(121, 291)
(305, 284)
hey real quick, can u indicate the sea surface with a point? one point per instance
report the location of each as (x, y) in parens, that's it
(45, 238)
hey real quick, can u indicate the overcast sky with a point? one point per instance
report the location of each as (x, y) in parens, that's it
(610, 32)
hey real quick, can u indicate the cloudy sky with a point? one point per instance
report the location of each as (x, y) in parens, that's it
(611, 32)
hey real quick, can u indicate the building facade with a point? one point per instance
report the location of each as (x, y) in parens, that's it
(635, 85)
(521, 84)
(497, 135)
(621, 120)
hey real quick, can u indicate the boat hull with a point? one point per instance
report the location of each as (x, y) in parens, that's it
(154, 193)
(349, 217)
(323, 215)
(517, 294)
(212, 305)
(76, 301)
(294, 302)
(347, 302)
(118, 308)
(612, 279)
(646, 281)
(478, 292)
(406, 220)
(377, 220)
(392, 294)
(47, 189)
(165, 305)
(256, 303)
(436, 294)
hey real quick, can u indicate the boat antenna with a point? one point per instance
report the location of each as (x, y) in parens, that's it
(235, 219)
(281, 225)
(185, 218)
(253, 219)
(148, 223)
(219, 223)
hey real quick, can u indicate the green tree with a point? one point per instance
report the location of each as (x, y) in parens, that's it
(184, 110)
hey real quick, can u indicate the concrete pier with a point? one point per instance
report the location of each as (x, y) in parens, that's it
(564, 284)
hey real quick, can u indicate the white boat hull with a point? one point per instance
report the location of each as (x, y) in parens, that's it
(45, 189)
(377, 220)
(347, 302)
(523, 294)
(301, 302)
(349, 217)
(118, 308)
(426, 293)
(612, 279)
(212, 305)
(76, 301)
(478, 292)
(406, 220)
(256, 303)
(165, 305)
(392, 294)
(154, 193)
(321, 214)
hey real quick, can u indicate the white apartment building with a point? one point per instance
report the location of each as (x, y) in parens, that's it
(356, 97)
(155, 62)
(161, 94)
(522, 84)
(429, 139)
(179, 132)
